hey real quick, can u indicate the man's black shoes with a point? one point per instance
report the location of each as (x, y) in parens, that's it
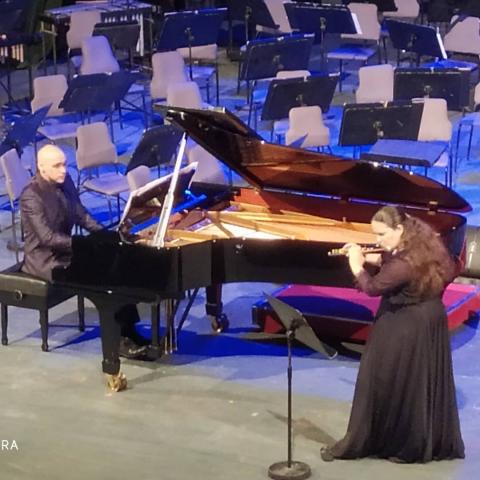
(136, 337)
(129, 349)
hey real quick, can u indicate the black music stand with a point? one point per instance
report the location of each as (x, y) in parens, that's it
(364, 124)
(265, 57)
(284, 94)
(156, 147)
(97, 92)
(190, 29)
(87, 94)
(296, 327)
(252, 12)
(418, 39)
(451, 84)
(320, 20)
(24, 131)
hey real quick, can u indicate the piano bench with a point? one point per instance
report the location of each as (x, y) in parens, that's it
(19, 289)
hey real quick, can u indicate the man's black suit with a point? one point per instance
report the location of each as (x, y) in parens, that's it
(49, 212)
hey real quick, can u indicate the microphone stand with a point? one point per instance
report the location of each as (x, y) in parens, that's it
(289, 470)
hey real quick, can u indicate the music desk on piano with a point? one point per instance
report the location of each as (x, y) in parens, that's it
(118, 11)
(299, 205)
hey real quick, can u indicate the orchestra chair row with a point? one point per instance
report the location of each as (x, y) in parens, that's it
(366, 43)
(18, 289)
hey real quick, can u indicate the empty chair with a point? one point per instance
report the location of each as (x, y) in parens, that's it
(204, 65)
(49, 89)
(436, 126)
(367, 15)
(279, 127)
(375, 84)
(97, 56)
(82, 23)
(184, 95)
(17, 177)
(408, 9)
(307, 122)
(279, 17)
(464, 36)
(168, 69)
(138, 177)
(258, 95)
(209, 169)
(95, 149)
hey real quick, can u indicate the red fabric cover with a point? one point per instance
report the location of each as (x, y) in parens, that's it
(347, 313)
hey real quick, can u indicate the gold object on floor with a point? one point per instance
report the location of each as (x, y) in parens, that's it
(117, 383)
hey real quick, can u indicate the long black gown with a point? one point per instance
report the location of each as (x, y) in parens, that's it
(404, 406)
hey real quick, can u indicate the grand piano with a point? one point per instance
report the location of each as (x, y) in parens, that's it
(296, 206)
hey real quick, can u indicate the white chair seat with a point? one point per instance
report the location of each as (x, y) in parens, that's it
(352, 52)
(202, 52)
(313, 139)
(136, 88)
(202, 71)
(57, 131)
(111, 184)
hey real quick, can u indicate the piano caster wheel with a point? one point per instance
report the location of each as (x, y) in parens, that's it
(117, 383)
(44, 347)
(220, 324)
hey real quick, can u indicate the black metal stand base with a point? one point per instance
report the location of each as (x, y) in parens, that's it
(296, 471)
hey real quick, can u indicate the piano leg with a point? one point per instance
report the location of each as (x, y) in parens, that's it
(107, 307)
(214, 308)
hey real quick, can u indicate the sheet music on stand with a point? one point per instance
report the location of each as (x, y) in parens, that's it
(365, 123)
(285, 94)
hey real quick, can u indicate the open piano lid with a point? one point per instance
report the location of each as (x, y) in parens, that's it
(145, 203)
(277, 167)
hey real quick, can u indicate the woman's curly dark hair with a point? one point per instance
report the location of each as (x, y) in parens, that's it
(423, 249)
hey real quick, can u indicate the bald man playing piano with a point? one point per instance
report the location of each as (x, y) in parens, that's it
(50, 208)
